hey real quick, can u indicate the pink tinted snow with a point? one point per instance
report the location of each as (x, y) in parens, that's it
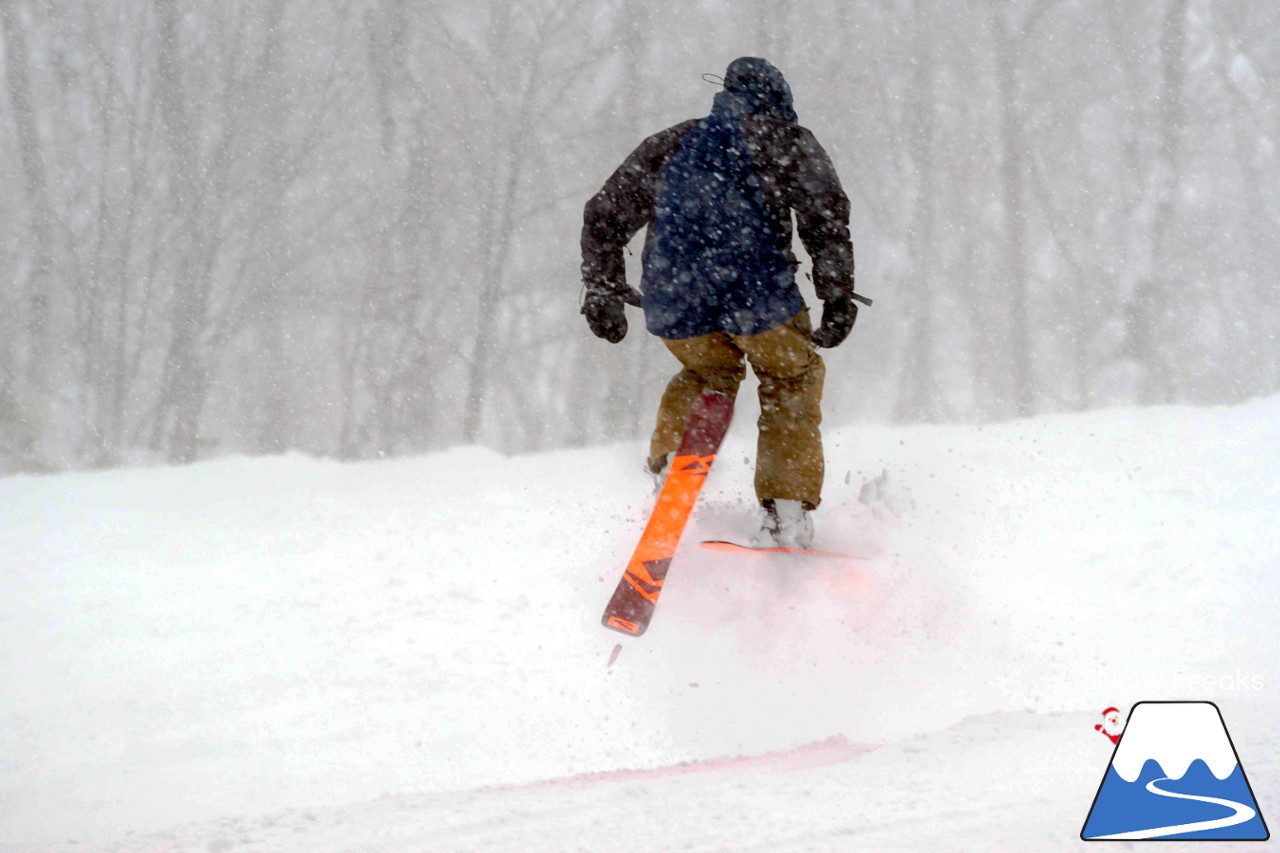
(833, 750)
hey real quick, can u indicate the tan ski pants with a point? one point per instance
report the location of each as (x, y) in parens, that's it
(789, 463)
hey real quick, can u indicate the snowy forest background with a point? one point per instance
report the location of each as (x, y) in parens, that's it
(351, 227)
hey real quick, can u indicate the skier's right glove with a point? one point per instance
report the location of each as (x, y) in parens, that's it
(605, 313)
(838, 316)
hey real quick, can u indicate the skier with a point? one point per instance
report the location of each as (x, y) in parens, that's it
(718, 277)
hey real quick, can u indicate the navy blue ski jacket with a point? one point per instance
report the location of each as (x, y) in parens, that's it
(717, 196)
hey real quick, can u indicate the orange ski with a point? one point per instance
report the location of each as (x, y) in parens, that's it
(632, 604)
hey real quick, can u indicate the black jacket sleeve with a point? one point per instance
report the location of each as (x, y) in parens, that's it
(822, 215)
(622, 207)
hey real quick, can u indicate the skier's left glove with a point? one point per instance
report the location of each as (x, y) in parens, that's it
(838, 316)
(605, 313)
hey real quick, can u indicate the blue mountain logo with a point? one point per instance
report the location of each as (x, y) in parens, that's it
(1175, 774)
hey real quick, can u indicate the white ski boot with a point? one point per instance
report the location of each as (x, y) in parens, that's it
(786, 524)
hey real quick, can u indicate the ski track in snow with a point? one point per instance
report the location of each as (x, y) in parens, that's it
(287, 654)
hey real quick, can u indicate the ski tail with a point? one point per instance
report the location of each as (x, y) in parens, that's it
(636, 596)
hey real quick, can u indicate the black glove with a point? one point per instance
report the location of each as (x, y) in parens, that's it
(605, 315)
(838, 316)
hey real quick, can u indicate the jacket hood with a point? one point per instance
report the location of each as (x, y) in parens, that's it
(761, 88)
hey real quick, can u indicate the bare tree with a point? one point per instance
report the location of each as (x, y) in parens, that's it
(29, 390)
(351, 227)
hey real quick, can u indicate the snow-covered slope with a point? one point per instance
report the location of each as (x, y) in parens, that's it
(296, 655)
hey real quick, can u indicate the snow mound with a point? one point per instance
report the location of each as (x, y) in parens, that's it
(285, 634)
